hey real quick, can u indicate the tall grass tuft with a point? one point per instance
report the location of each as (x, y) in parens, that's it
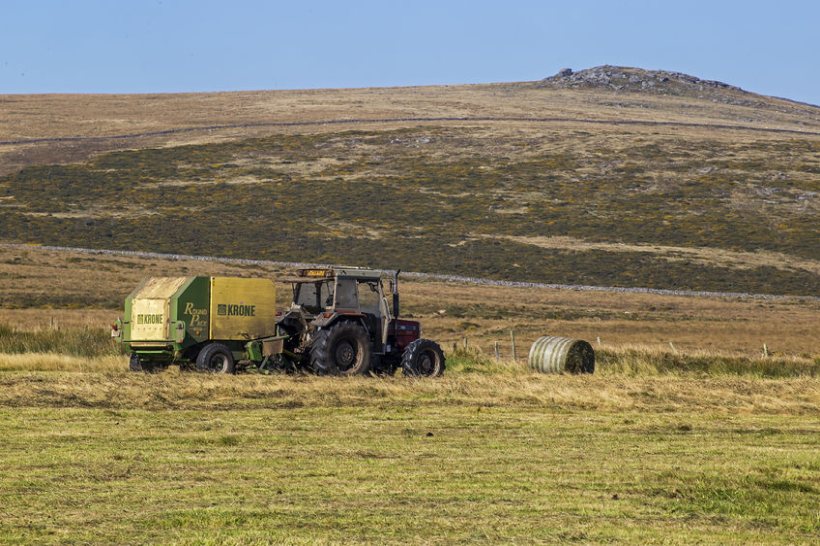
(472, 359)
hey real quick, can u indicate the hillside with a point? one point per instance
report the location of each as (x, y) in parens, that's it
(590, 179)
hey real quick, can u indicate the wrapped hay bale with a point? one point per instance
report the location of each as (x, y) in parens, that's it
(551, 354)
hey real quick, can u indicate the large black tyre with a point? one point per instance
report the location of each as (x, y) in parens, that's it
(341, 349)
(137, 365)
(423, 358)
(134, 363)
(215, 358)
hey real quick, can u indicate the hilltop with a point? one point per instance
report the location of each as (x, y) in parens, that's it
(606, 176)
(663, 82)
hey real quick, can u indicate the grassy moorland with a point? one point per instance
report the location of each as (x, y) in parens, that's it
(661, 212)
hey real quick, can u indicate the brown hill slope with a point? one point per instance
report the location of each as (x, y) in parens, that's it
(600, 94)
(711, 188)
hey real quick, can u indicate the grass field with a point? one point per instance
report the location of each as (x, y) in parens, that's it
(44, 289)
(104, 456)
(703, 440)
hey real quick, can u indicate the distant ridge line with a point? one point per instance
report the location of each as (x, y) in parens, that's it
(370, 121)
(420, 276)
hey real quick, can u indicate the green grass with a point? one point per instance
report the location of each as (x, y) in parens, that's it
(388, 472)
(653, 362)
(428, 200)
(654, 448)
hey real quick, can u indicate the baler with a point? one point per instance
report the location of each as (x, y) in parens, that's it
(210, 322)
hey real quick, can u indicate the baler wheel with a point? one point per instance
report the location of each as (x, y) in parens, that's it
(215, 358)
(423, 358)
(134, 363)
(137, 365)
(342, 349)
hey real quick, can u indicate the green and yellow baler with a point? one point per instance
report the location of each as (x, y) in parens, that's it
(208, 322)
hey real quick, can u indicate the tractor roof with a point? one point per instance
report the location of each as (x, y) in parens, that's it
(319, 273)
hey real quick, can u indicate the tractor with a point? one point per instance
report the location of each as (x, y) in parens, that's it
(341, 323)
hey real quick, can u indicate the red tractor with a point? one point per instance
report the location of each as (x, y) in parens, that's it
(341, 323)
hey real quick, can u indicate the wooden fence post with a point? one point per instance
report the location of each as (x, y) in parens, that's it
(512, 341)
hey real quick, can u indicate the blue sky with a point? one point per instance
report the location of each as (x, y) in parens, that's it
(113, 46)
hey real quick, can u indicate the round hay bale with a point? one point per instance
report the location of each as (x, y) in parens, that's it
(551, 354)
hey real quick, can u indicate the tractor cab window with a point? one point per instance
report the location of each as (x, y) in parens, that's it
(369, 297)
(346, 296)
(314, 296)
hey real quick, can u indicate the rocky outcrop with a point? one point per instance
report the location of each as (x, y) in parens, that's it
(620, 78)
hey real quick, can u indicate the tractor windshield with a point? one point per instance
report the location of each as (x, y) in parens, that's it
(313, 296)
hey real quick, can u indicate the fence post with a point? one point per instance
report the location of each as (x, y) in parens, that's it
(512, 341)
(497, 354)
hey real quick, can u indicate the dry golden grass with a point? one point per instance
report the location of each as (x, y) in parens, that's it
(28, 116)
(506, 386)
(57, 362)
(94, 286)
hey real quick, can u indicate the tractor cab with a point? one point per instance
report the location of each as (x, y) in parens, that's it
(328, 294)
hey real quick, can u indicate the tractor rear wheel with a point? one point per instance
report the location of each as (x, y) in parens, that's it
(423, 358)
(215, 358)
(342, 349)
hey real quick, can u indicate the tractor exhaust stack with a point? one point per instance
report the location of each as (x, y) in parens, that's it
(396, 293)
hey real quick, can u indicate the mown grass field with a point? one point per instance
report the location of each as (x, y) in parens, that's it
(484, 455)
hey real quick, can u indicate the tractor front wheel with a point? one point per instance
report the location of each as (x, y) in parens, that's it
(215, 358)
(341, 349)
(423, 358)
